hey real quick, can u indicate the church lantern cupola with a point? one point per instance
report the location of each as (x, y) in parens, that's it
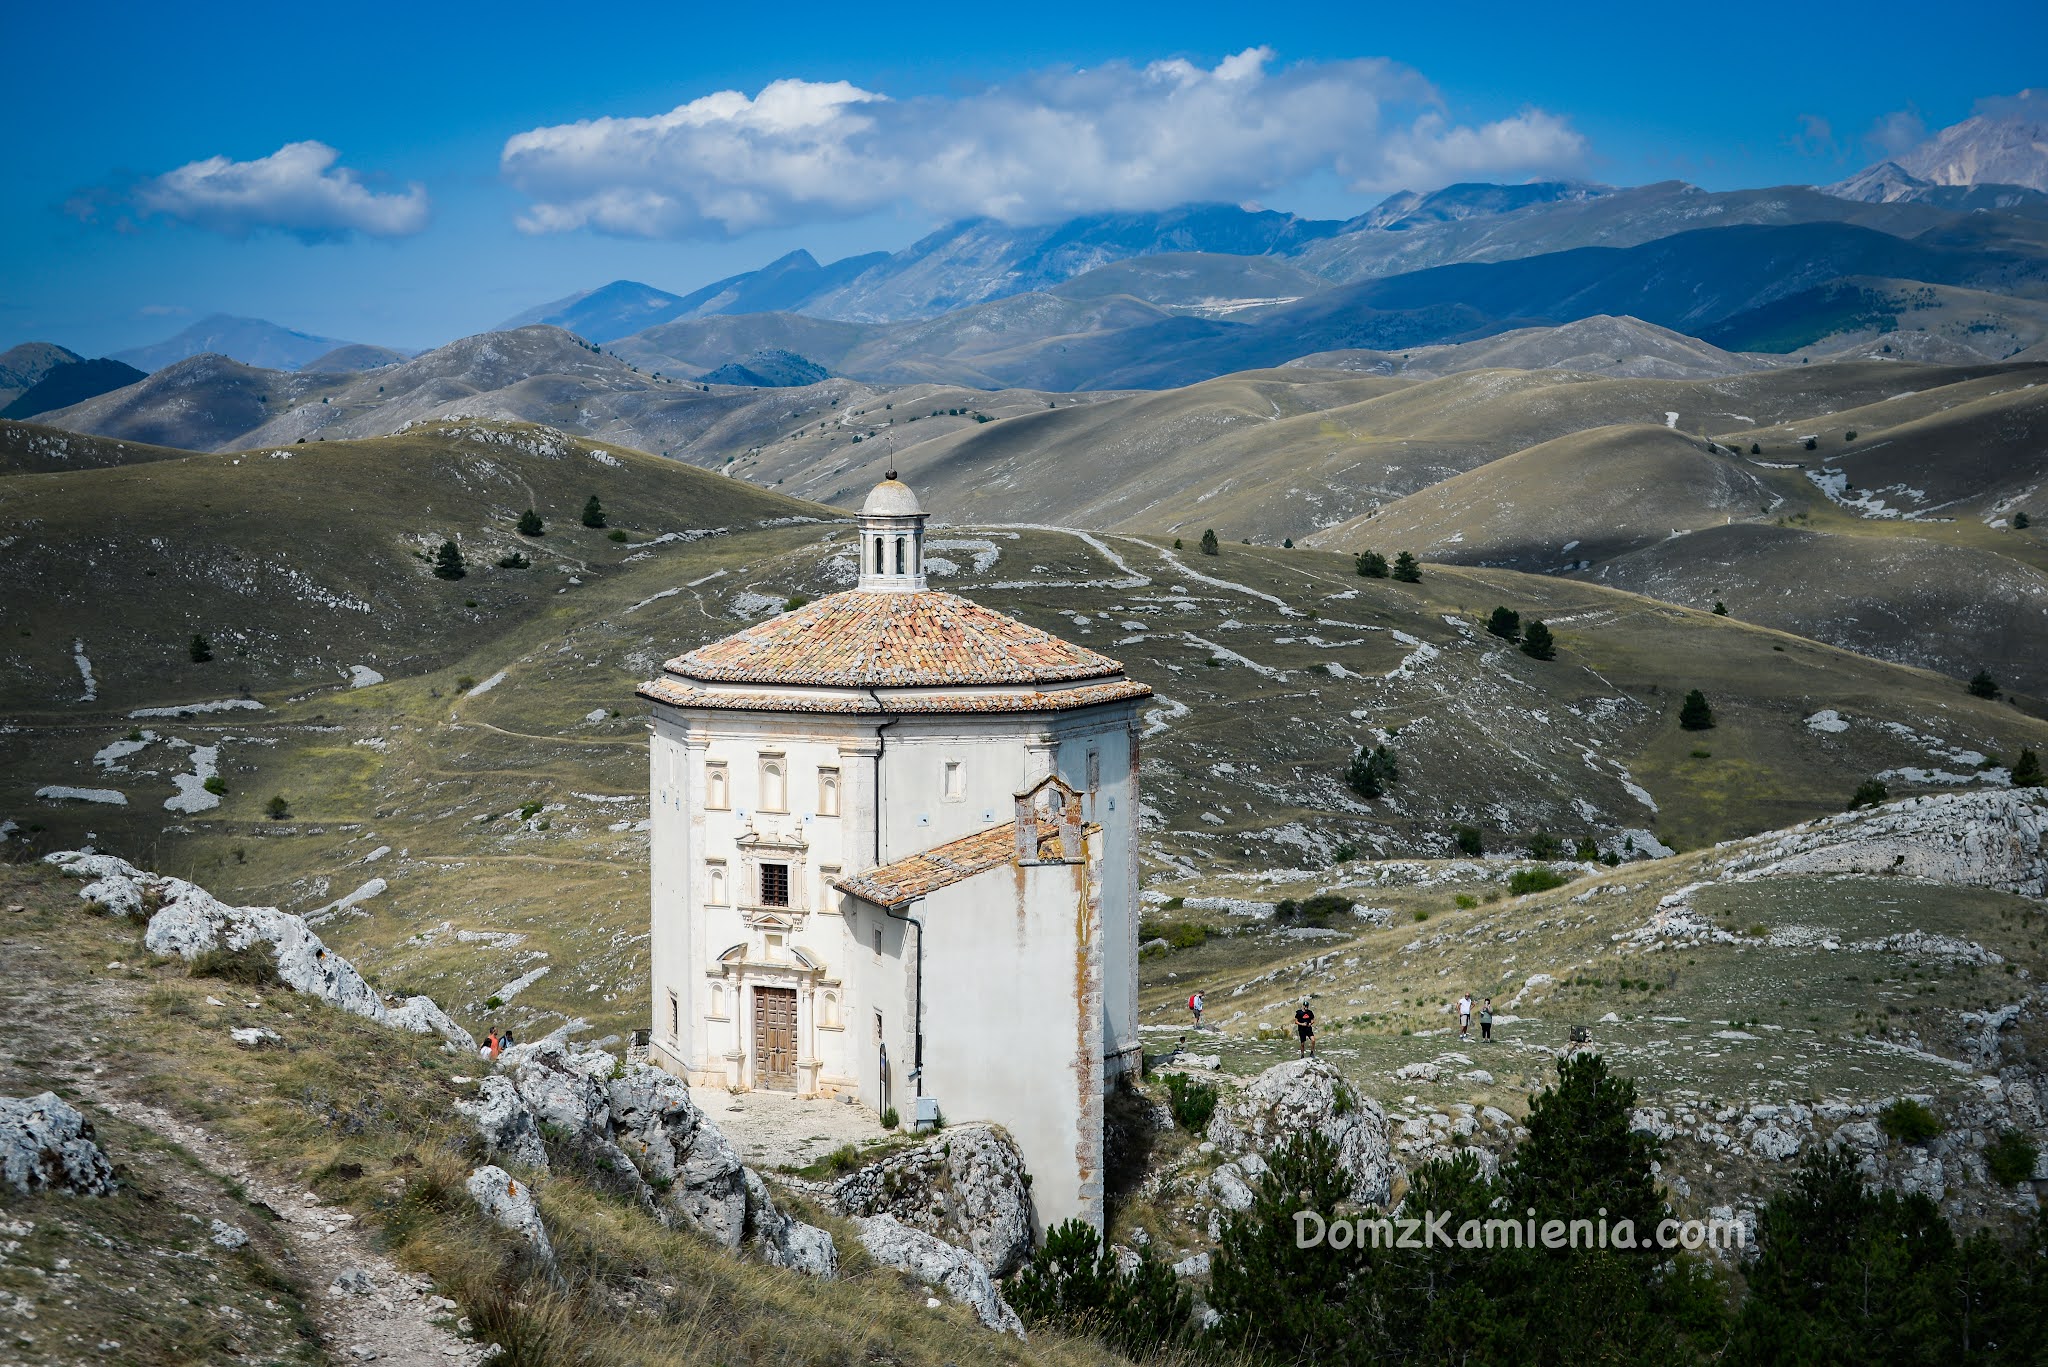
(892, 539)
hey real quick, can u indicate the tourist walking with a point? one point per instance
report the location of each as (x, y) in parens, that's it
(1195, 1005)
(1486, 1020)
(1305, 1030)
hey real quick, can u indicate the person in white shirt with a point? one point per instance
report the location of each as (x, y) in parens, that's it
(1465, 1016)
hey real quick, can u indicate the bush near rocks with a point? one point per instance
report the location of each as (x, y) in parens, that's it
(1078, 1285)
(1909, 1122)
(2011, 1157)
(1191, 1103)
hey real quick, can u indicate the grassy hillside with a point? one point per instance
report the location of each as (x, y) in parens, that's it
(1585, 497)
(300, 563)
(28, 448)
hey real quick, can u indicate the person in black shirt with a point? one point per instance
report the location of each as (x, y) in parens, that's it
(1305, 1029)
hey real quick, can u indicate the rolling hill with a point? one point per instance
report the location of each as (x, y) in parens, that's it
(23, 365)
(73, 382)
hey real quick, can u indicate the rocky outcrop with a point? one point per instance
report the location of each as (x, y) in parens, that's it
(966, 1186)
(937, 1263)
(638, 1127)
(186, 920)
(1306, 1094)
(509, 1203)
(1990, 839)
(782, 1240)
(509, 1128)
(46, 1145)
(681, 1153)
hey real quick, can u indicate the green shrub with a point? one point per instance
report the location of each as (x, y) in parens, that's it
(1544, 845)
(1694, 714)
(1076, 1284)
(216, 785)
(448, 562)
(530, 524)
(1982, 685)
(1468, 840)
(1406, 569)
(253, 965)
(889, 1118)
(277, 809)
(618, 536)
(1909, 1121)
(1466, 901)
(1192, 1103)
(514, 561)
(1525, 881)
(1370, 565)
(1372, 772)
(1869, 793)
(593, 513)
(2011, 1158)
(1317, 910)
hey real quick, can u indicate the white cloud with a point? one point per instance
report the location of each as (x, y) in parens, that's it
(1045, 146)
(1899, 131)
(296, 189)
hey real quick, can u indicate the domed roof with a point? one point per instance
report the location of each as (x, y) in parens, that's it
(864, 639)
(891, 498)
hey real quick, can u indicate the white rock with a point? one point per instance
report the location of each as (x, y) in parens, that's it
(46, 1143)
(937, 1263)
(507, 1124)
(674, 1145)
(967, 1186)
(510, 1203)
(189, 921)
(787, 1242)
(1299, 1095)
(254, 1036)
(1774, 1142)
(229, 1236)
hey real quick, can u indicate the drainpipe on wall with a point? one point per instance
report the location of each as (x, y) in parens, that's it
(917, 1000)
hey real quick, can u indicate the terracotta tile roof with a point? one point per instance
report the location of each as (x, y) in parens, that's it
(681, 693)
(879, 639)
(891, 885)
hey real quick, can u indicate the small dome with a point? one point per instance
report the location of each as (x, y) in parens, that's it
(891, 498)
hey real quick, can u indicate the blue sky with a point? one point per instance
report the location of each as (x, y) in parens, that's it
(446, 187)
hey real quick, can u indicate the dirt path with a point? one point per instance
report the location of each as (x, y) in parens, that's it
(366, 1307)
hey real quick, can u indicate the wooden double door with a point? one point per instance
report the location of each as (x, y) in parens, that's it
(775, 1038)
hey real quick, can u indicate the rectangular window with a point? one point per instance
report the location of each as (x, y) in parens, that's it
(717, 787)
(828, 792)
(827, 894)
(878, 1027)
(774, 783)
(878, 938)
(1094, 770)
(714, 883)
(675, 1016)
(775, 885)
(956, 780)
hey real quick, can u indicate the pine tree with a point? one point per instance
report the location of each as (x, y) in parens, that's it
(1406, 570)
(530, 524)
(593, 513)
(2020, 522)
(1209, 542)
(1287, 543)
(2026, 771)
(1720, 608)
(1505, 623)
(1694, 714)
(277, 809)
(1755, 450)
(1538, 644)
(201, 649)
(448, 562)
(1371, 565)
(1982, 685)
(1371, 771)
(1870, 793)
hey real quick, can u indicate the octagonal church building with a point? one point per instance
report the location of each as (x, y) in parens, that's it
(894, 856)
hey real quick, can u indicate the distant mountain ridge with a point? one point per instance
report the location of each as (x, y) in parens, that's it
(252, 341)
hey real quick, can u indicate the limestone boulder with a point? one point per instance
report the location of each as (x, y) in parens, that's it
(509, 1203)
(185, 920)
(783, 1240)
(1988, 839)
(509, 1128)
(685, 1157)
(46, 1145)
(967, 1185)
(1307, 1094)
(937, 1263)
(560, 1084)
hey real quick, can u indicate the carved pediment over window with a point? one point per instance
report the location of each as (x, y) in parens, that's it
(758, 919)
(773, 841)
(806, 956)
(734, 954)
(1049, 805)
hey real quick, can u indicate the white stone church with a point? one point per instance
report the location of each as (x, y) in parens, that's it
(895, 855)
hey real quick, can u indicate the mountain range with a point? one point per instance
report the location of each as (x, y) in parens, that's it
(249, 340)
